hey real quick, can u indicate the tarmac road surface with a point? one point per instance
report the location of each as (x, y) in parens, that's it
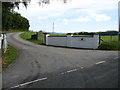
(60, 67)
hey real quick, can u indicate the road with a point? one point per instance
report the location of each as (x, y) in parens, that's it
(60, 67)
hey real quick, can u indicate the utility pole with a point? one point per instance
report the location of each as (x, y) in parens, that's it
(119, 20)
(118, 25)
(53, 28)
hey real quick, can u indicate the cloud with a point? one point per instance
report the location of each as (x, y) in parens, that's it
(75, 11)
(65, 21)
(87, 15)
(82, 19)
(34, 8)
(55, 14)
(42, 17)
(100, 17)
(94, 4)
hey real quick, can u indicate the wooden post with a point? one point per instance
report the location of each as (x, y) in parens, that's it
(99, 39)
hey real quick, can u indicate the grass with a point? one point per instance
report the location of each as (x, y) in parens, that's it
(73, 35)
(109, 43)
(27, 36)
(12, 31)
(58, 35)
(82, 35)
(9, 57)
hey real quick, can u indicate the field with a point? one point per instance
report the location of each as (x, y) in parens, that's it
(109, 43)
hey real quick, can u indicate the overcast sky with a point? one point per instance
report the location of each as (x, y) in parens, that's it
(75, 16)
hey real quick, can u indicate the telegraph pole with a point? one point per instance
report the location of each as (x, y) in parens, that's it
(53, 28)
(119, 19)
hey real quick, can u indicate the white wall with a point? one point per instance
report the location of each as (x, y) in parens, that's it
(57, 41)
(5, 44)
(70, 41)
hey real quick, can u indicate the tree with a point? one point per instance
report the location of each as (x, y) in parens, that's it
(9, 17)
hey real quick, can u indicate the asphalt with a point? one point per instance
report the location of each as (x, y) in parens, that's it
(38, 61)
(98, 76)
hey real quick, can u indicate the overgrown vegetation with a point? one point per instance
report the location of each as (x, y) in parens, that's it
(27, 36)
(9, 57)
(109, 43)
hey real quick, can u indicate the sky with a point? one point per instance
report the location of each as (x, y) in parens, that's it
(75, 16)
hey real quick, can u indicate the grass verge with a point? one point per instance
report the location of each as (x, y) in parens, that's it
(58, 35)
(27, 36)
(9, 57)
(12, 31)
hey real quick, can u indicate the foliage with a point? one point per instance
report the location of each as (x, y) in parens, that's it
(13, 20)
(9, 57)
(69, 34)
(112, 32)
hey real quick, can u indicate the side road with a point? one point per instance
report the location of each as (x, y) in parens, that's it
(37, 61)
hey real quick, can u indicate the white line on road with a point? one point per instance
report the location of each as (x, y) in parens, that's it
(73, 70)
(20, 85)
(28, 83)
(100, 62)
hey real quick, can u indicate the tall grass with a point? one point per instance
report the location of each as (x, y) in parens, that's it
(109, 43)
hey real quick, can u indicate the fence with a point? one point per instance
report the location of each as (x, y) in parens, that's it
(73, 41)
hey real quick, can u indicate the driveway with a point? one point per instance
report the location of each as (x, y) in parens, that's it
(37, 61)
